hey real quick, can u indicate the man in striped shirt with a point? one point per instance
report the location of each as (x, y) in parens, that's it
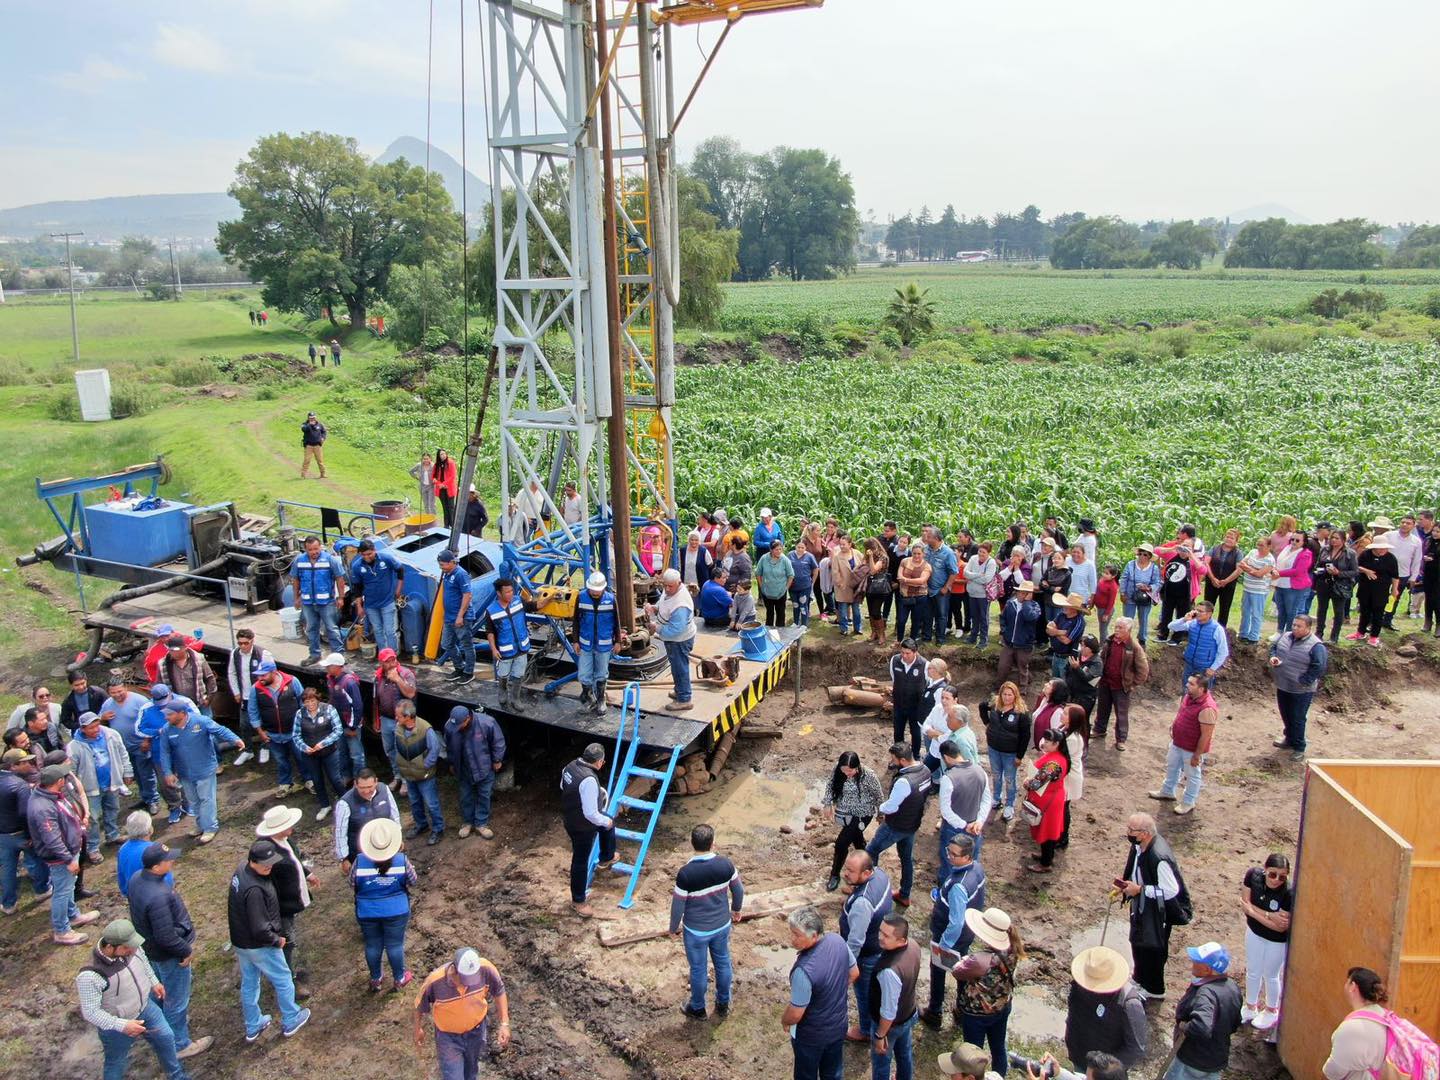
(700, 908)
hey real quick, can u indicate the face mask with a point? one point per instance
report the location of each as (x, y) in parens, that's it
(1133, 838)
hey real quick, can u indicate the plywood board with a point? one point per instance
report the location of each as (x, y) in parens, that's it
(1417, 994)
(1398, 793)
(1353, 871)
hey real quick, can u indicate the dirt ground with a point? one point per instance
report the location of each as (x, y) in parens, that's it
(580, 1009)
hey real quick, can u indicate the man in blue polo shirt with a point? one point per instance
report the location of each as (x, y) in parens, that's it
(943, 567)
(378, 575)
(457, 638)
(319, 584)
(148, 727)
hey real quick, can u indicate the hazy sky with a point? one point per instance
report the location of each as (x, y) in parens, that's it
(1114, 106)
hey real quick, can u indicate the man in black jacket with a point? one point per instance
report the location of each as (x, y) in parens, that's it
(1206, 1016)
(476, 516)
(292, 878)
(82, 698)
(160, 916)
(254, 916)
(1155, 891)
(20, 770)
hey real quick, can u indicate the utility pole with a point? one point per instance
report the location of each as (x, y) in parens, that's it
(70, 265)
(174, 270)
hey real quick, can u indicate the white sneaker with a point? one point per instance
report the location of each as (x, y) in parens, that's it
(1008, 813)
(1247, 1013)
(264, 755)
(1266, 1019)
(322, 813)
(244, 757)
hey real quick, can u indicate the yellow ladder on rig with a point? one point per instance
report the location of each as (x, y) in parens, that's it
(646, 432)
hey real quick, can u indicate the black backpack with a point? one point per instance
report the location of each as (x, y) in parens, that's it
(1179, 911)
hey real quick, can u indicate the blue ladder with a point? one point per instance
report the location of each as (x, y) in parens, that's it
(630, 719)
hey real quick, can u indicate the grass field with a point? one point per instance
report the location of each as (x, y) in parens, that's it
(1017, 297)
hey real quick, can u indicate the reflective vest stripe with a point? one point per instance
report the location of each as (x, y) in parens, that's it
(317, 580)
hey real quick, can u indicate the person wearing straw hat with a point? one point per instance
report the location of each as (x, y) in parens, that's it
(458, 997)
(1379, 580)
(382, 878)
(120, 995)
(1105, 1011)
(1019, 622)
(967, 1062)
(291, 877)
(987, 981)
(1065, 629)
(1140, 589)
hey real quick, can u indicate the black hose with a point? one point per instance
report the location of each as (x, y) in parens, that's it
(161, 586)
(97, 633)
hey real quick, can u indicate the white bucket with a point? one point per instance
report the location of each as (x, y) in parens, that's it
(290, 623)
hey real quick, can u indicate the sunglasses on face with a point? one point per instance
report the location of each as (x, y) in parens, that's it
(1277, 875)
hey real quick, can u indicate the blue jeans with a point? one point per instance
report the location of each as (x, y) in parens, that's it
(425, 805)
(387, 743)
(157, 1033)
(322, 767)
(385, 937)
(1002, 769)
(900, 1052)
(1141, 614)
(1252, 612)
(594, 666)
(1286, 608)
(979, 619)
(1180, 1071)
(200, 796)
(474, 794)
(144, 767)
(847, 615)
(1059, 664)
(867, 966)
(282, 752)
(103, 807)
(819, 1062)
(904, 843)
(62, 898)
(381, 624)
(911, 609)
(513, 668)
(176, 980)
(12, 846)
(459, 642)
(1177, 761)
(978, 1030)
(268, 962)
(460, 1054)
(1301, 604)
(697, 951)
(1294, 711)
(352, 753)
(316, 616)
(948, 833)
(801, 603)
(939, 615)
(678, 653)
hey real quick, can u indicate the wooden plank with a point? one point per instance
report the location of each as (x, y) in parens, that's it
(1398, 794)
(1417, 995)
(651, 924)
(1353, 871)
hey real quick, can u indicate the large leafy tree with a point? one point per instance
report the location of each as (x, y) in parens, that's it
(320, 225)
(803, 222)
(1421, 247)
(1098, 243)
(1184, 246)
(709, 256)
(728, 174)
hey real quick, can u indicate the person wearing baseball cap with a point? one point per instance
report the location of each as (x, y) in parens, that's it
(18, 770)
(458, 997)
(255, 935)
(149, 727)
(186, 755)
(476, 748)
(56, 824)
(313, 433)
(597, 627)
(120, 995)
(102, 765)
(1206, 1016)
(394, 683)
(457, 637)
(767, 531)
(161, 917)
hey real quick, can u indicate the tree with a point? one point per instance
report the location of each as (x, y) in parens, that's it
(728, 174)
(947, 234)
(1184, 246)
(709, 256)
(1275, 243)
(806, 222)
(1420, 248)
(1098, 243)
(546, 199)
(900, 237)
(132, 261)
(911, 313)
(321, 225)
(1258, 244)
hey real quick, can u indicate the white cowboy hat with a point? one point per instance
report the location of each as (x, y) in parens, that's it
(277, 819)
(1025, 586)
(992, 926)
(1380, 543)
(1382, 523)
(1099, 969)
(1074, 600)
(380, 839)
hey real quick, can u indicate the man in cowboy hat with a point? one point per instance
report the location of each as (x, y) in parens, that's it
(1019, 619)
(457, 997)
(968, 1062)
(1065, 629)
(1106, 1011)
(291, 876)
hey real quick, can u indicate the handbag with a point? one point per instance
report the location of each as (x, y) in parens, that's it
(878, 585)
(1031, 813)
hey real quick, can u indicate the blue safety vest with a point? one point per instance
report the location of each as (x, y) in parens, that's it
(317, 579)
(508, 624)
(381, 895)
(595, 621)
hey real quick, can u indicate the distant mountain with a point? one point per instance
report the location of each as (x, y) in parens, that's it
(190, 217)
(476, 191)
(1269, 210)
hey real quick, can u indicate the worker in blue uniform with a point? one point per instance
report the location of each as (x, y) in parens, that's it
(597, 628)
(457, 637)
(319, 583)
(509, 640)
(379, 576)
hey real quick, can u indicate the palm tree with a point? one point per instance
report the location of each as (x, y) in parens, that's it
(911, 313)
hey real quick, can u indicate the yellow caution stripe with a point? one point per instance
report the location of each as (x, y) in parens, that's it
(750, 696)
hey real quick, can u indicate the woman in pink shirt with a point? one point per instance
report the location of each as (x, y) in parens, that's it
(1293, 568)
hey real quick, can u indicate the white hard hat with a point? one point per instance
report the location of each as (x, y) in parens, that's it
(596, 580)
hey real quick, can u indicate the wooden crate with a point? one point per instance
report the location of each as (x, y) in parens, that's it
(1367, 893)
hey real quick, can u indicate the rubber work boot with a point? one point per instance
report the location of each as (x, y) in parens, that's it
(504, 686)
(586, 695)
(600, 703)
